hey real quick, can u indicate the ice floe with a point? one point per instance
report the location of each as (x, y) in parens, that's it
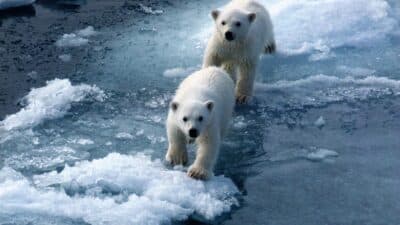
(303, 26)
(65, 57)
(321, 154)
(149, 10)
(319, 90)
(320, 122)
(71, 40)
(76, 39)
(45, 158)
(124, 135)
(86, 32)
(118, 189)
(50, 102)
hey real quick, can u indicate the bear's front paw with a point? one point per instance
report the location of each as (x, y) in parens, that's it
(242, 99)
(270, 48)
(175, 157)
(199, 173)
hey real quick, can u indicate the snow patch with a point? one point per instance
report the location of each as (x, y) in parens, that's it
(117, 189)
(86, 32)
(83, 141)
(149, 10)
(322, 52)
(76, 39)
(325, 80)
(65, 57)
(340, 23)
(71, 40)
(45, 158)
(319, 90)
(124, 135)
(321, 154)
(33, 75)
(239, 122)
(50, 102)
(356, 71)
(320, 122)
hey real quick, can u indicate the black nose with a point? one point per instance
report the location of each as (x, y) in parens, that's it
(193, 133)
(229, 36)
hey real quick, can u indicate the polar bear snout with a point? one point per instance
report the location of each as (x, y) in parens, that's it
(193, 133)
(229, 36)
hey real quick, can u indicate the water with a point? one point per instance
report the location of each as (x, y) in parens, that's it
(318, 145)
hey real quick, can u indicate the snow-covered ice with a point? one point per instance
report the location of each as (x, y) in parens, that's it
(45, 158)
(124, 135)
(149, 10)
(49, 102)
(100, 162)
(320, 122)
(86, 32)
(321, 154)
(76, 39)
(117, 189)
(71, 40)
(65, 57)
(299, 31)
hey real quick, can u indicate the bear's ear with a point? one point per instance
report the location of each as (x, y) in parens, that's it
(174, 106)
(251, 16)
(209, 105)
(215, 14)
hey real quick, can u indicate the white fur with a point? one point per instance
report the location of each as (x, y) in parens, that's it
(252, 39)
(209, 86)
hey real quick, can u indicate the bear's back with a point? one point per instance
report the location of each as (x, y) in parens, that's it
(210, 83)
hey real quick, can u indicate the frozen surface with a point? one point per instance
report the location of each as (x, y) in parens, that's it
(318, 145)
(5, 4)
(320, 122)
(65, 57)
(117, 189)
(49, 102)
(149, 10)
(86, 32)
(340, 23)
(71, 40)
(77, 39)
(320, 154)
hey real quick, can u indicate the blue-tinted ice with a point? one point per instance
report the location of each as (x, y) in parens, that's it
(318, 145)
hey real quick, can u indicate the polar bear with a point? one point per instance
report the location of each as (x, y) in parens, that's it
(243, 31)
(200, 112)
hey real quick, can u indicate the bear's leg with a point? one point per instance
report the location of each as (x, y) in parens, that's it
(230, 68)
(206, 156)
(177, 153)
(211, 59)
(244, 86)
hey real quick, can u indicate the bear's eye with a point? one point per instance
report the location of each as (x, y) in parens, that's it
(200, 118)
(238, 24)
(223, 23)
(185, 119)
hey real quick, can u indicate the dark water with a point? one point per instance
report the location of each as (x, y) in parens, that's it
(318, 145)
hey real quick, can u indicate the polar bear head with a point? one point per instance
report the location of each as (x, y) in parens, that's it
(233, 25)
(192, 117)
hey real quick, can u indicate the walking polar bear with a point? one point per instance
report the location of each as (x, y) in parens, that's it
(243, 31)
(200, 112)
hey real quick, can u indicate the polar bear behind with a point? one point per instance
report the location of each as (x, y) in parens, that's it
(243, 31)
(200, 112)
